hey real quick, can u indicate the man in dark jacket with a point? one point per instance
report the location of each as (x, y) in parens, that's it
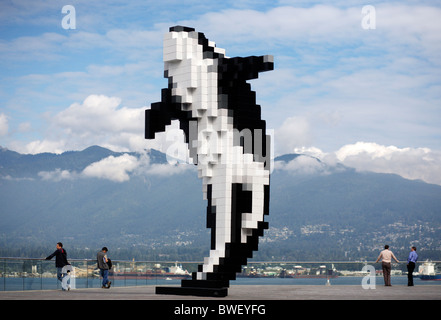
(102, 264)
(60, 261)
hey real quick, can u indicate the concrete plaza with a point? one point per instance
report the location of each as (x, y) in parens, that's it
(241, 292)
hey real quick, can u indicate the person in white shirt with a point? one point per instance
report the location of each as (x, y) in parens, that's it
(386, 255)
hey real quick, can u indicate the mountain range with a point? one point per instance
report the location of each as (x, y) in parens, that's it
(140, 206)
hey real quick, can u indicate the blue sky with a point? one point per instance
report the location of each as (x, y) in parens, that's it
(367, 98)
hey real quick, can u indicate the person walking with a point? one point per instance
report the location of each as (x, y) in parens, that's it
(411, 260)
(60, 255)
(101, 259)
(386, 255)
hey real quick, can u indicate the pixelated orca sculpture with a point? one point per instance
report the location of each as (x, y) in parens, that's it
(208, 93)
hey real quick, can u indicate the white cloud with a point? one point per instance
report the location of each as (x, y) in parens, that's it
(410, 163)
(302, 164)
(39, 146)
(310, 151)
(368, 149)
(98, 115)
(3, 124)
(56, 175)
(294, 133)
(98, 120)
(118, 169)
(112, 168)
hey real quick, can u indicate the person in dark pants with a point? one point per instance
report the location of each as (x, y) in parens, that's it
(386, 255)
(101, 260)
(413, 257)
(60, 255)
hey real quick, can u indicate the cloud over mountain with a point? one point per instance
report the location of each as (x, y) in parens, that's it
(112, 168)
(118, 167)
(410, 163)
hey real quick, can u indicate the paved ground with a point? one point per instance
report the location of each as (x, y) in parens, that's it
(241, 292)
